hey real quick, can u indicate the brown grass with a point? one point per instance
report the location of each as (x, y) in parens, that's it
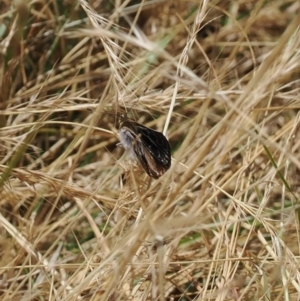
(220, 79)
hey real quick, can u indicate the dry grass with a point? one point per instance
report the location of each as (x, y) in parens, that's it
(221, 80)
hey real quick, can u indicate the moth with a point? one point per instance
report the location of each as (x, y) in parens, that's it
(148, 147)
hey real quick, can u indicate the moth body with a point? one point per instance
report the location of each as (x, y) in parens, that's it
(148, 147)
(127, 139)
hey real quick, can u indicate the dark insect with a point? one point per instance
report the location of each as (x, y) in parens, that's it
(148, 147)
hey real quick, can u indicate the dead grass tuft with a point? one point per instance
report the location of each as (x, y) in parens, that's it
(79, 221)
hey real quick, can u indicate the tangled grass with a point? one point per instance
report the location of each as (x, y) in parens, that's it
(79, 221)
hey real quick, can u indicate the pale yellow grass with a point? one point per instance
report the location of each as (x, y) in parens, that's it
(220, 79)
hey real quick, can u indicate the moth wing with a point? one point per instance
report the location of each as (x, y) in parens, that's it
(157, 145)
(148, 162)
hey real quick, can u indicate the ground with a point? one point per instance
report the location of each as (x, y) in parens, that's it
(81, 220)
